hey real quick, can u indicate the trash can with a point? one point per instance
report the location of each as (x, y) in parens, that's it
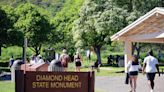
(16, 66)
(55, 65)
(121, 63)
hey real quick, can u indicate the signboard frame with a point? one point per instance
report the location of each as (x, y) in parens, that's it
(41, 81)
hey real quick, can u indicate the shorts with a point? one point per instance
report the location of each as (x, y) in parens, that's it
(78, 63)
(150, 76)
(133, 73)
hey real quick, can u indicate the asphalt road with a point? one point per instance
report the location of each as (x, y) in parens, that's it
(116, 84)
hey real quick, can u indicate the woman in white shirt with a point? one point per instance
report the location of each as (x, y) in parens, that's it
(133, 68)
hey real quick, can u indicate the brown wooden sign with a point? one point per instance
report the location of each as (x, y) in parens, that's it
(57, 82)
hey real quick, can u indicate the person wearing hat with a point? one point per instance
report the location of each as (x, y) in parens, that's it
(151, 67)
(78, 59)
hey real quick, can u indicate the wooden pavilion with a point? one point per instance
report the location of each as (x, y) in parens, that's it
(148, 28)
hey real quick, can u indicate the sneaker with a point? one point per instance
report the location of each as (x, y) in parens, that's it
(152, 91)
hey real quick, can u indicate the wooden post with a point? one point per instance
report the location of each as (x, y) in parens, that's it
(91, 81)
(19, 81)
(128, 52)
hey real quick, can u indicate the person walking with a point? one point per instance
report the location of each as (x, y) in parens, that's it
(64, 59)
(78, 60)
(133, 67)
(151, 67)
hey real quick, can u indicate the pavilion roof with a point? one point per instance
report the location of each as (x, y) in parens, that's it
(148, 28)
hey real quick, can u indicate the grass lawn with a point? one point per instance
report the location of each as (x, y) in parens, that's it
(7, 86)
(107, 71)
(110, 71)
(162, 67)
(104, 71)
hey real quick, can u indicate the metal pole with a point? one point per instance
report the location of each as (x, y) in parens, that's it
(25, 47)
(24, 53)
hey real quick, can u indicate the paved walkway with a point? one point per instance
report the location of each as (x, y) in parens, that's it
(116, 84)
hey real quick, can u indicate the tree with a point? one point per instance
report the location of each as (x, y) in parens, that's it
(6, 26)
(3, 28)
(99, 19)
(63, 23)
(52, 6)
(35, 26)
(8, 35)
(14, 37)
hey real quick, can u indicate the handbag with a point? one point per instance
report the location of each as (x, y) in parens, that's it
(127, 78)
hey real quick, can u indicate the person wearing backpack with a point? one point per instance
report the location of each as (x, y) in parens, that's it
(64, 59)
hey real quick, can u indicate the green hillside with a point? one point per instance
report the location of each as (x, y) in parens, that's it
(50, 5)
